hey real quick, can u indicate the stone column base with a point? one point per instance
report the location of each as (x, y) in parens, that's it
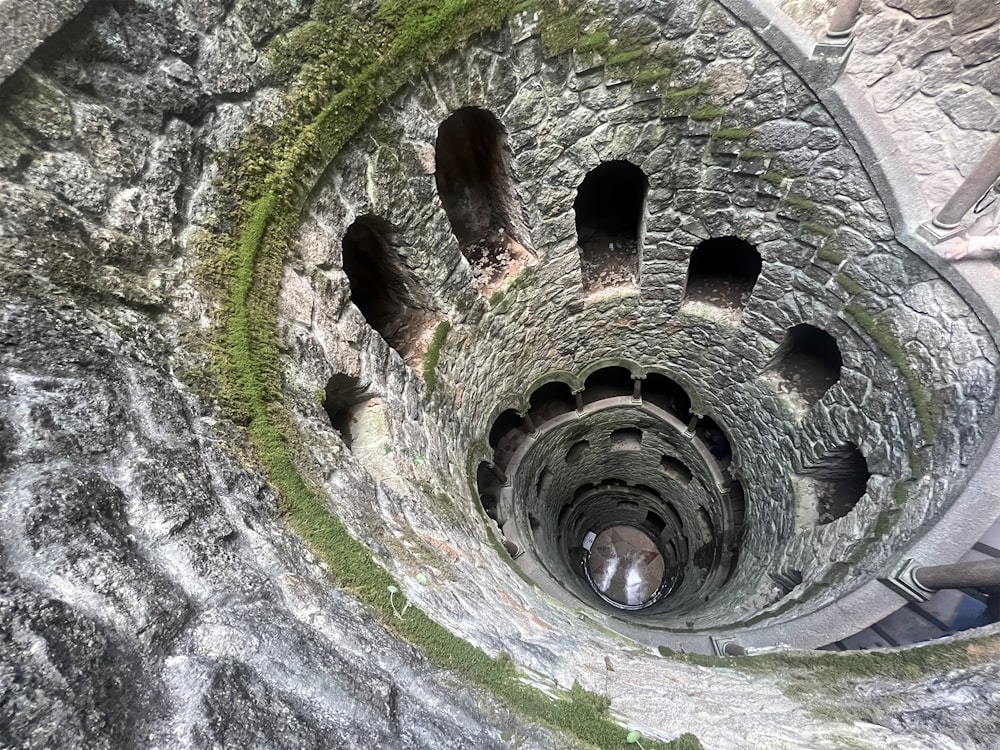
(904, 583)
(934, 234)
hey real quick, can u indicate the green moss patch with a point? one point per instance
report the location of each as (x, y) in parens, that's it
(830, 255)
(881, 332)
(433, 354)
(773, 178)
(707, 112)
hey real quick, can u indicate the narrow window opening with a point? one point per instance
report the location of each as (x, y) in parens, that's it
(675, 469)
(550, 401)
(835, 484)
(607, 383)
(609, 207)
(576, 451)
(381, 285)
(474, 182)
(668, 395)
(343, 395)
(722, 273)
(506, 436)
(738, 505)
(808, 362)
(626, 439)
(715, 439)
(488, 486)
(544, 482)
(655, 523)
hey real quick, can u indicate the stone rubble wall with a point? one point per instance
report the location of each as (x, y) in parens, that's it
(566, 115)
(931, 70)
(187, 615)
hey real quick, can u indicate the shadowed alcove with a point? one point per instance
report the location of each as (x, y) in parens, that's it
(609, 211)
(474, 183)
(722, 272)
(382, 286)
(808, 362)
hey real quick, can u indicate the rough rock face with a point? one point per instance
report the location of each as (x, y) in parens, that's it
(150, 594)
(931, 69)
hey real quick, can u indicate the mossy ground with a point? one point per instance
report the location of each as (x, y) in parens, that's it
(340, 67)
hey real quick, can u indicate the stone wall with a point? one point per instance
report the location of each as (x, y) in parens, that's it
(931, 70)
(768, 165)
(152, 594)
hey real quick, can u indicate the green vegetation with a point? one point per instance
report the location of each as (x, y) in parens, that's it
(881, 332)
(748, 154)
(707, 112)
(681, 95)
(596, 41)
(339, 67)
(848, 284)
(434, 354)
(625, 57)
(830, 256)
(800, 203)
(773, 178)
(821, 229)
(651, 76)
(733, 134)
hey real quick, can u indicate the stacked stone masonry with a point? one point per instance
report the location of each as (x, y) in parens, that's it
(152, 595)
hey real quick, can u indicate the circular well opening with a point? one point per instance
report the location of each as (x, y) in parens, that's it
(625, 567)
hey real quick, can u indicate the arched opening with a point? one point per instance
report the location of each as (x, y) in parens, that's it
(506, 436)
(607, 383)
(668, 395)
(675, 469)
(473, 180)
(834, 485)
(381, 286)
(488, 485)
(626, 439)
(808, 362)
(342, 395)
(609, 208)
(576, 451)
(550, 401)
(715, 439)
(722, 273)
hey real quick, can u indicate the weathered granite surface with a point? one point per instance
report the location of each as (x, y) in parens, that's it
(931, 70)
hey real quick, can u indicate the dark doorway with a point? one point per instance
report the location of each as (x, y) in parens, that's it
(722, 273)
(609, 207)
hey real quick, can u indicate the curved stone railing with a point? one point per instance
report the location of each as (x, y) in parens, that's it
(977, 281)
